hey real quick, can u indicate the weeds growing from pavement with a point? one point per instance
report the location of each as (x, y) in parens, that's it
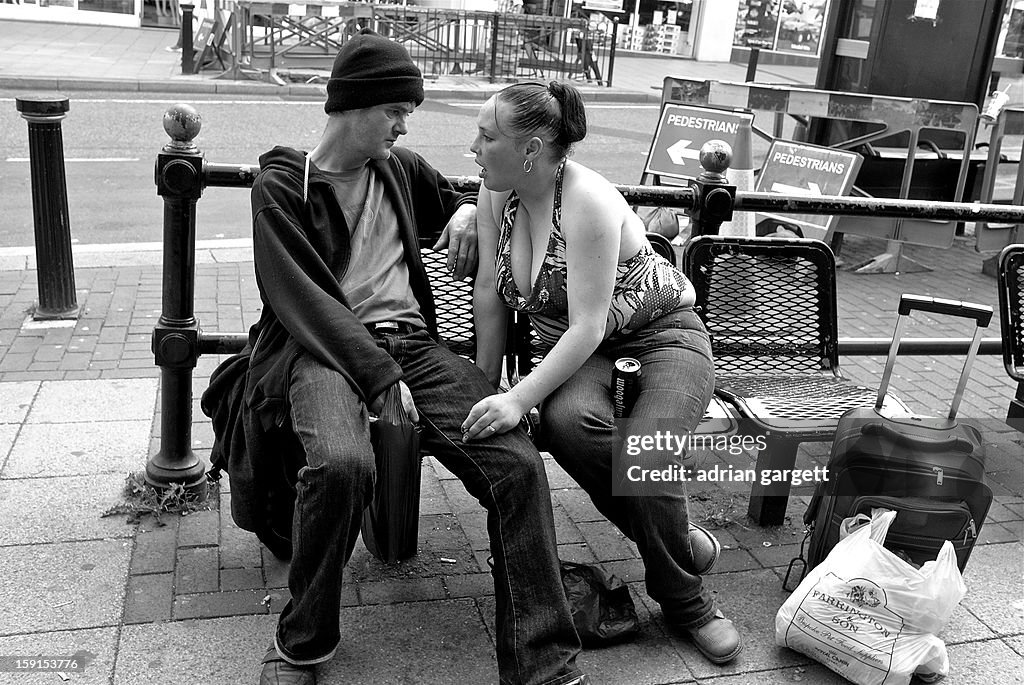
(141, 498)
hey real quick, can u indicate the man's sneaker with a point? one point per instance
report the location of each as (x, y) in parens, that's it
(717, 639)
(277, 671)
(704, 548)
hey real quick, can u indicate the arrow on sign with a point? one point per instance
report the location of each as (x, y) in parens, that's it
(680, 151)
(812, 189)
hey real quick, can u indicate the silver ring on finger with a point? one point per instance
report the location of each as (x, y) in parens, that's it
(490, 429)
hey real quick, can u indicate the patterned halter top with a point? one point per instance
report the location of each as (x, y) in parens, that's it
(646, 287)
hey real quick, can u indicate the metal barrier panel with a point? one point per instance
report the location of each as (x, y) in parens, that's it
(495, 45)
(891, 115)
(992, 237)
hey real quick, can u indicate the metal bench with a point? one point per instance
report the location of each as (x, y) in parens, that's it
(1011, 307)
(182, 174)
(770, 307)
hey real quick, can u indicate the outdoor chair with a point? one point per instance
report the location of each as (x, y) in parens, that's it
(770, 307)
(1011, 317)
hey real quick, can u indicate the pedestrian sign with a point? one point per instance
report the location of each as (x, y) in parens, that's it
(807, 170)
(683, 129)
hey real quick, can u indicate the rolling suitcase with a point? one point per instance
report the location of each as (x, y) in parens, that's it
(931, 471)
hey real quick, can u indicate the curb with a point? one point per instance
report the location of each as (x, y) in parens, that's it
(116, 255)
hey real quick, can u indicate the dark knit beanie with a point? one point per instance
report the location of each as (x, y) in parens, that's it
(372, 70)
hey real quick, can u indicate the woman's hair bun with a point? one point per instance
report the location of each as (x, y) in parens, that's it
(574, 113)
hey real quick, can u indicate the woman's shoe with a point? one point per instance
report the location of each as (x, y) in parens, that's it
(704, 549)
(277, 671)
(718, 639)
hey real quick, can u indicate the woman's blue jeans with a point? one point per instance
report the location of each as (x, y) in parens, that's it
(676, 382)
(536, 641)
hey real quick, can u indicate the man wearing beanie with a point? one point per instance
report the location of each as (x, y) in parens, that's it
(348, 317)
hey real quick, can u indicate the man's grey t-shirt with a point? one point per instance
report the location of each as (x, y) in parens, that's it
(376, 283)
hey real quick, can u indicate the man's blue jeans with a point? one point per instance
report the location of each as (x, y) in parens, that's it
(676, 382)
(536, 641)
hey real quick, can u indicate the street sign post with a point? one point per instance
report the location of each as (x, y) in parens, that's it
(807, 170)
(682, 130)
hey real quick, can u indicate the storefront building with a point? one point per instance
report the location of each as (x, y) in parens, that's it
(106, 12)
(706, 30)
(687, 27)
(787, 29)
(709, 29)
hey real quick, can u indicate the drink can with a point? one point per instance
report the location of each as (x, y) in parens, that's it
(996, 101)
(625, 385)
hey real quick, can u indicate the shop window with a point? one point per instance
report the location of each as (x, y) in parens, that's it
(800, 26)
(1012, 34)
(862, 19)
(113, 6)
(756, 23)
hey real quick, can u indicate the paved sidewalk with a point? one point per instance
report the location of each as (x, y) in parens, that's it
(195, 600)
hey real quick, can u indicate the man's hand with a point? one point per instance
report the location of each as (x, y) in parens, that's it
(459, 237)
(407, 404)
(493, 415)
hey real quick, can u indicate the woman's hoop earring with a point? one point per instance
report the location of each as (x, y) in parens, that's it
(527, 166)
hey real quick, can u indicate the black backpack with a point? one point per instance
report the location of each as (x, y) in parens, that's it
(262, 494)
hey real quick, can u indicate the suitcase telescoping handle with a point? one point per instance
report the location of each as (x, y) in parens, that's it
(982, 315)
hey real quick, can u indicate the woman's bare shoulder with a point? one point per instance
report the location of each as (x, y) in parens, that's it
(599, 195)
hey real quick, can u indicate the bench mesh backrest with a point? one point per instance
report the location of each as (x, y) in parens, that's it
(453, 301)
(769, 305)
(1013, 311)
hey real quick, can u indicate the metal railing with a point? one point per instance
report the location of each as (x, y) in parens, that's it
(494, 45)
(182, 174)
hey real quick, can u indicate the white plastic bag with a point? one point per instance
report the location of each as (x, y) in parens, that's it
(870, 616)
(663, 220)
(852, 523)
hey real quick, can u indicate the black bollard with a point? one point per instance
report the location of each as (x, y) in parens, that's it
(187, 48)
(495, 23)
(714, 195)
(55, 269)
(611, 52)
(755, 53)
(179, 181)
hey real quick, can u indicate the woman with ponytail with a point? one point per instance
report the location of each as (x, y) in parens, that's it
(558, 242)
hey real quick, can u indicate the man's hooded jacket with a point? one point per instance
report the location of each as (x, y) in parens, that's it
(302, 250)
